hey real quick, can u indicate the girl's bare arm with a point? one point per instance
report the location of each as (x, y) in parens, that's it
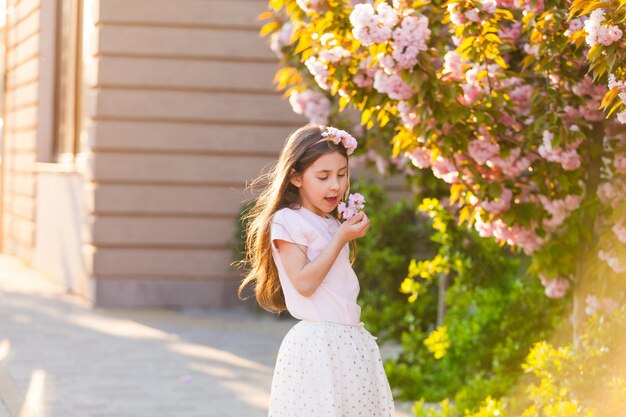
(306, 277)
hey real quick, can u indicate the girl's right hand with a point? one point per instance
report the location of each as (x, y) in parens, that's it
(355, 227)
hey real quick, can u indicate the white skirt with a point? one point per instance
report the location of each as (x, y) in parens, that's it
(326, 369)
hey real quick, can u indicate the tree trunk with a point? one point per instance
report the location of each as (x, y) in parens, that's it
(583, 276)
(441, 302)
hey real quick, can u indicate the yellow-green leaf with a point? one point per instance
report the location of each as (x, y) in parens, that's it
(269, 28)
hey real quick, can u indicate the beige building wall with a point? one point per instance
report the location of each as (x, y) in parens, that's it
(22, 109)
(180, 114)
(184, 113)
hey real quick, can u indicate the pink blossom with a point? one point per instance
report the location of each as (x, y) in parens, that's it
(606, 305)
(531, 49)
(472, 15)
(512, 166)
(593, 304)
(392, 85)
(409, 39)
(370, 27)
(407, 114)
(333, 55)
(500, 204)
(619, 161)
(559, 209)
(613, 262)
(453, 65)
(607, 192)
(319, 70)
(470, 93)
(525, 238)
(282, 38)
(356, 203)
(313, 105)
(355, 2)
(489, 6)
(420, 157)
(620, 231)
(482, 150)
(310, 5)
(599, 33)
(575, 25)
(520, 96)
(338, 135)
(570, 160)
(456, 17)
(365, 76)
(444, 169)
(609, 305)
(510, 33)
(556, 287)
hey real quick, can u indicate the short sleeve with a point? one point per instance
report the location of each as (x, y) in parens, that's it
(289, 226)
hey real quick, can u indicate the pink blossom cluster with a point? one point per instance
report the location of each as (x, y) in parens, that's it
(311, 104)
(319, 70)
(407, 114)
(444, 169)
(593, 93)
(458, 17)
(420, 157)
(525, 238)
(513, 165)
(407, 33)
(619, 162)
(556, 287)
(534, 6)
(408, 40)
(619, 230)
(621, 86)
(499, 204)
(612, 192)
(453, 66)
(606, 305)
(482, 150)
(569, 158)
(472, 88)
(338, 135)
(611, 260)
(575, 25)
(365, 75)
(520, 97)
(371, 25)
(282, 38)
(310, 5)
(356, 203)
(559, 209)
(510, 33)
(391, 84)
(599, 33)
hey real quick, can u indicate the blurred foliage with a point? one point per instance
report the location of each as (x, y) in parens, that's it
(495, 312)
(588, 380)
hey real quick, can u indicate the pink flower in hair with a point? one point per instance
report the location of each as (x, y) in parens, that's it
(338, 135)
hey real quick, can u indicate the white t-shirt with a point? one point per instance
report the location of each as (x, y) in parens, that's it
(335, 298)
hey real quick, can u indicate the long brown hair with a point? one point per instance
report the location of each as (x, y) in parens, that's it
(299, 152)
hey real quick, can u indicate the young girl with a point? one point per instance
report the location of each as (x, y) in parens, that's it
(328, 364)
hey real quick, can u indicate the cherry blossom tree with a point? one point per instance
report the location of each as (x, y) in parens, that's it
(519, 106)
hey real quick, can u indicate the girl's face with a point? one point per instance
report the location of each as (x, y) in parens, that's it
(327, 177)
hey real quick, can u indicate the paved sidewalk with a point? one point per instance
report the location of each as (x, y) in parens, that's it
(61, 358)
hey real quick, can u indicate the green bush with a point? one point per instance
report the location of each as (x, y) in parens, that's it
(495, 312)
(588, 380)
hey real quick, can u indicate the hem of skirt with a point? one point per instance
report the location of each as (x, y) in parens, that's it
(361, 324)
